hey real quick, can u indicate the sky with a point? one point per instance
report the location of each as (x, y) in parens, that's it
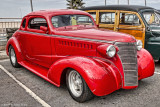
(19, 8)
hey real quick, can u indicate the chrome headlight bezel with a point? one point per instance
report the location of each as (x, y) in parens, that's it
(139, 45)
(111, 51)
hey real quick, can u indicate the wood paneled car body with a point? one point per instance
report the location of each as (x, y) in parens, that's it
(60, 45)
(140, 21)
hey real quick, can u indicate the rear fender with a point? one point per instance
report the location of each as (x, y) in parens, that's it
(14, 43)
(99, 77)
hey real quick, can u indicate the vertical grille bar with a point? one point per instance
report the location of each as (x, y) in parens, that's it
(128, 55)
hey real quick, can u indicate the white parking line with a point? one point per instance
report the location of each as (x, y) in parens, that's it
(42, 102)
(157, 73)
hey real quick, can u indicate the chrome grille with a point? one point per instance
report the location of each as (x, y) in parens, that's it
(128, 55)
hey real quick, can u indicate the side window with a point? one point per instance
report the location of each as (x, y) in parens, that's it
(24, 23)
(151, 17)
(107, 18)
(55, 21)
(93, 14)
(35, 23)
(129, 19)
(148, 17)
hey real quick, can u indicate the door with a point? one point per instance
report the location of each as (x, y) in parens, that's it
(131, 23)
(37, 42)
(107, 19)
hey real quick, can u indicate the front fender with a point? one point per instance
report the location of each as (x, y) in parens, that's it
(101, 78)
(146, 64)
(14, 43)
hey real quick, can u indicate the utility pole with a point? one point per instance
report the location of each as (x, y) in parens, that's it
(118, 2)
(105, 2)
(145, 2)
(31, 5)
(128, 2)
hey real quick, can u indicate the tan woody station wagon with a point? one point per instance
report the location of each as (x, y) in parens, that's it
(140, 21)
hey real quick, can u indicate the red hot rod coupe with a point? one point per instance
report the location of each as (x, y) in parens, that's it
(66, 46)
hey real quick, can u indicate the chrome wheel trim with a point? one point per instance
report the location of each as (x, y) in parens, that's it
(75, 83)
(13, 56)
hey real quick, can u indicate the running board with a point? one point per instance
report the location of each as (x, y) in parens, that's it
(38, 70)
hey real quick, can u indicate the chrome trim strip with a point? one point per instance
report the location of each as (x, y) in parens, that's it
(69, 37)
(156, 43)
(155, 30)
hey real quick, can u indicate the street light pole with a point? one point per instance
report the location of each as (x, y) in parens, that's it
(128, 2)
(145, 2)
(105, 2)
(118, 2)
(31, 5)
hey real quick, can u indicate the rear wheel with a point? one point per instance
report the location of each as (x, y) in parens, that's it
(13, 58)
(77, 86)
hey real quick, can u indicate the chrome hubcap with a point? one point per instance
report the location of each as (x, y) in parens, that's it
(75, 83)
(13, 56)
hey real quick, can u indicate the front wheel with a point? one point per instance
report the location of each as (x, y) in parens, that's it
(77, 87)
(13, 58)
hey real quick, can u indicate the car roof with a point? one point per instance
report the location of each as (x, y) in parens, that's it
(118, 7)
(56, 12)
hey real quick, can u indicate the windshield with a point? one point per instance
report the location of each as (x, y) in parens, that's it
(152, 18)
(70, 20)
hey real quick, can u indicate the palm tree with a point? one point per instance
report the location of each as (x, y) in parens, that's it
(75, 4)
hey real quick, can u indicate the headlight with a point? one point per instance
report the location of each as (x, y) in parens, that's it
(111, 51)
(139, 44)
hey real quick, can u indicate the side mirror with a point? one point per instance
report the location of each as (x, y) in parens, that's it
(43, 28)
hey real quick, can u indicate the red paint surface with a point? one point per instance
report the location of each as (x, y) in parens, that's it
(48, 56)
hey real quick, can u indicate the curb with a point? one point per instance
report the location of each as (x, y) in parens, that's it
(3, 42)
(3, 55)
(2, 48)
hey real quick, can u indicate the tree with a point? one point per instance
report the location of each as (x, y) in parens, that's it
(75, 4)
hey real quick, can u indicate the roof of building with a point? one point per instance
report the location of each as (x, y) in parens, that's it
(118, 7)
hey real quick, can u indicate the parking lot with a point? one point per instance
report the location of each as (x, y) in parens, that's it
(20, 87)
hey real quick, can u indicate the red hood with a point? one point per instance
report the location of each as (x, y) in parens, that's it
(98, 34)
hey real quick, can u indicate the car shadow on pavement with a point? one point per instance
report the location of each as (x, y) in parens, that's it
(157, 63)
(122, 93)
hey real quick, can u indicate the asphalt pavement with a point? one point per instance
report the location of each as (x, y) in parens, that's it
(15, 83)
